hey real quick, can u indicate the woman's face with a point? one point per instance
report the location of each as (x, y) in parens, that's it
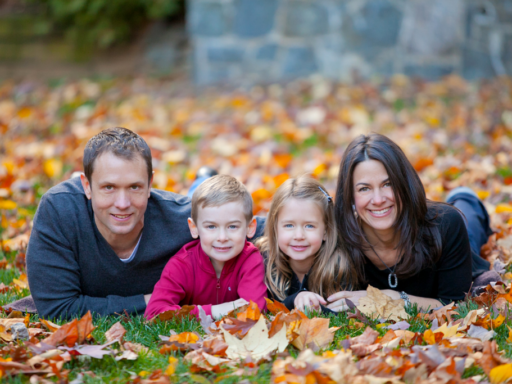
(373, 196)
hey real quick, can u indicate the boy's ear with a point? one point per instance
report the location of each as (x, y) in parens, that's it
(251, 228)
(193, 228)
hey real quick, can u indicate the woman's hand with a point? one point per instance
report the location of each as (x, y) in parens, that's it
(308, 299)
(221, 310)
(337, 302)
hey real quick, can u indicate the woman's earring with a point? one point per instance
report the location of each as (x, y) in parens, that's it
(355, 212)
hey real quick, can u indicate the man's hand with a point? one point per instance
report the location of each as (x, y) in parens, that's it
(308, 299)
(221, 310)
(147, 298)
(337, 301)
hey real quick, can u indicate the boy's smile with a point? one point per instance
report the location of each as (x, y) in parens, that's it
(222, 231)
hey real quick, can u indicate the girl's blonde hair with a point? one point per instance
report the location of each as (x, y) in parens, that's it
(332, 271)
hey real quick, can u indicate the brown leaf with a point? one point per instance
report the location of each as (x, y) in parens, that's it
(116, 332)
(85, 327)
(444, 314)
(49, 325)
(71, 333)
(490, 357)
(281, 319)
(238, 327)
(175, 314)
(380, 304)
(313, 333)
(368, 337)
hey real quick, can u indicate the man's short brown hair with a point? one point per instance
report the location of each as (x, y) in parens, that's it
(119, 141)
(219, 190)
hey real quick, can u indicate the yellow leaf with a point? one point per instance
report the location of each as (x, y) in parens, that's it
(429, 337)
(144, 373)
(447, 332)
(509, 339)
(501, 373)
(504, 208)
(171, 369)
(52, 168)
(7, 204)
(482, 195)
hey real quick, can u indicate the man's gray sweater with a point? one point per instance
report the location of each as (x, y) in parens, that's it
(71, 267)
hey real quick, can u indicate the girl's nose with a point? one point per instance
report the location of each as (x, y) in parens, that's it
(299, 233)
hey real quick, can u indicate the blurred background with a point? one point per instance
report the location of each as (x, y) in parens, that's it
(260, 89)
(253, 41)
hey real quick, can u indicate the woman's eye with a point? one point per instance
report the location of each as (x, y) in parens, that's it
(388, 184)
(364, 189)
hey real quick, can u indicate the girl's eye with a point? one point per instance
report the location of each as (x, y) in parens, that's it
(288, 225)
(310, 226)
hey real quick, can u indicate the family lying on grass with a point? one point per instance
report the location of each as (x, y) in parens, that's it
(107, 242)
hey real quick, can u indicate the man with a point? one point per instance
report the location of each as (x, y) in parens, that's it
(101, 241)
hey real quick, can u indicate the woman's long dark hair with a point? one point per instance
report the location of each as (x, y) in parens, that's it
(419, 242)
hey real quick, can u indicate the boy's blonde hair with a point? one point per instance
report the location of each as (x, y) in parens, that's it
(332, 271)
(219, 190)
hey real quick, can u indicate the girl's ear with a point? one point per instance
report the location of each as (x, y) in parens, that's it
(325, 236)
(251, 228)
(193, 228)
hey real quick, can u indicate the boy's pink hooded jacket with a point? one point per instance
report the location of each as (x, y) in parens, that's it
(189, 279)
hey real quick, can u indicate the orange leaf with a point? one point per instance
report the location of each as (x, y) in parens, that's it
(51, 326)
(85, 327)
(66, 334)
(116, 332)
(275, 306)
(313, 333)
(251, 313)
(281, 319)
(185, 338)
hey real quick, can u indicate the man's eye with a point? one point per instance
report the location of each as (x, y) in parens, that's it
(109, 187)
(135, 187)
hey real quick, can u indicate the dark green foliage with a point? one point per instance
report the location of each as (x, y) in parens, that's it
(101, 23)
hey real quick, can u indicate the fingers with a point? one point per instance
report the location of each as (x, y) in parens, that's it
(337, 296)
(336, 303)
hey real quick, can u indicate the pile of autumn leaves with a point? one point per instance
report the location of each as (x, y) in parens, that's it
(237, 344)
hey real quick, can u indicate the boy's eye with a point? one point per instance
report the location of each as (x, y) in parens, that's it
(233, 227)
(211, 226)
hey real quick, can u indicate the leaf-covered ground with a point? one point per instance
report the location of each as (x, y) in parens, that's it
(454, 132)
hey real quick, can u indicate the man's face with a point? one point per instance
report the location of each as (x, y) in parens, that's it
(119, 192)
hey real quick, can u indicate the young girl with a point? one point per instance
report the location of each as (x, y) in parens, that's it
(303, 262)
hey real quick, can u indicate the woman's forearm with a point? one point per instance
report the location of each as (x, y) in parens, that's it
(423, 302)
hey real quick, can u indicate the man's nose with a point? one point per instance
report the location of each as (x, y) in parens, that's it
(122, 200)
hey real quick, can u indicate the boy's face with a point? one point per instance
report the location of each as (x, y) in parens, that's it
(222, 231)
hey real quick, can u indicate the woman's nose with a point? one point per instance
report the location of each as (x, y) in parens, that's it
(378, 197)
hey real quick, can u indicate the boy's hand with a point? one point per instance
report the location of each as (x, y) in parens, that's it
(308, 299)
(221, 310)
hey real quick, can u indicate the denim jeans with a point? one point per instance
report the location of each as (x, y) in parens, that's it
(477, 223)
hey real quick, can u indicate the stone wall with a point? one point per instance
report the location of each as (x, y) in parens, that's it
(248, 41)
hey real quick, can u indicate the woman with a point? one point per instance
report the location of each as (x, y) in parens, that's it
(401, 243)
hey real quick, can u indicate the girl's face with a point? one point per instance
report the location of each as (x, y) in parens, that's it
(300, 229)
(373, 196)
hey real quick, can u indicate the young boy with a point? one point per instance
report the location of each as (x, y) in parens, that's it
(222, 270)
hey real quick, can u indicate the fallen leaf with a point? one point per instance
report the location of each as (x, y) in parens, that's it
(480, 333)
(313, 333)
(501, 374)
(116, 332)
(256, 344)
(275, 307)
(376, 302)
(183, 312)
(251, 313)
(205, 320)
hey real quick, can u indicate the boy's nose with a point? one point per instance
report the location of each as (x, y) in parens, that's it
(223, 236)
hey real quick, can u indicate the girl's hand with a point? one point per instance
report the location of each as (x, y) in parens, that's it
(221, 310)
(337, 301)
(308, 299)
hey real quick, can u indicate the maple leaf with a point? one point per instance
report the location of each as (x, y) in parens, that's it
(313, 333)
(256, 344)
(183, 312)
(274, 307)
(252, 312)
(205, 320)
(376, 302)
(116, 332)
(238, 327)
(490, 357)
(282, 319)
(73, 332)
(181, 342)
(94, 351)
